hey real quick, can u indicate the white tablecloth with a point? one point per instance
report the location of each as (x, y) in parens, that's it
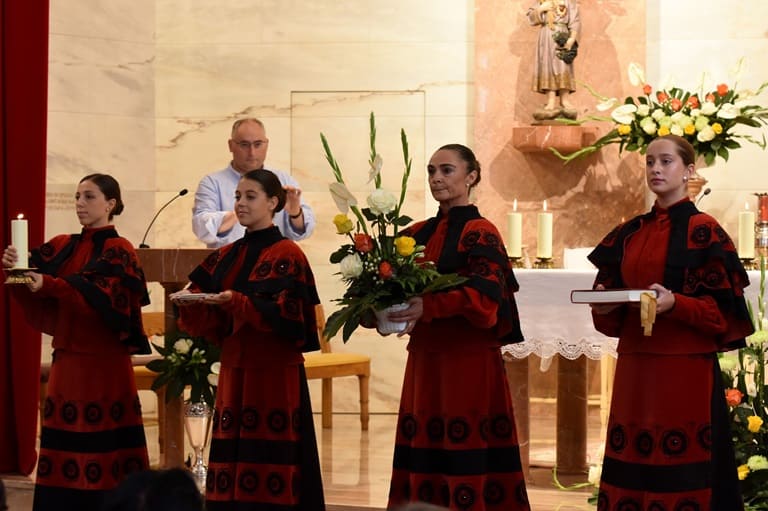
(553, 325)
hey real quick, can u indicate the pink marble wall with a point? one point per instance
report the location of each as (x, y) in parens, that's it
(589, 196)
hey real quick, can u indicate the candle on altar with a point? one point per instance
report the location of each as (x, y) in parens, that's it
(746, 244)
(19, 240)
(544, 232)
(515, 222)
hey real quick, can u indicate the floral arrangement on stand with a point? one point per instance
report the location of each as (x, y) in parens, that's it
(187, 360)
(379, 267)
(747, 397)
(707, 118)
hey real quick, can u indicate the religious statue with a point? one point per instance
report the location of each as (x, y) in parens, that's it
(555, 51)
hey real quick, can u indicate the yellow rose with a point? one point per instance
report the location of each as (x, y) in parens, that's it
(624, 129)
(743, 472)
(753, 423)
(343, 224)
(690, 129)
(405, 245)
(717, 128)
(664, 130)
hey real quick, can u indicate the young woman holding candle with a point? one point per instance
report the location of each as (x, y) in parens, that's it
(671, 451)
(456, 443)
(87, 292)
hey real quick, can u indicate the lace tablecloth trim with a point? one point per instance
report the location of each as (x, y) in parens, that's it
(592, 348)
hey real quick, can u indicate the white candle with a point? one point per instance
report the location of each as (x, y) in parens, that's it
(19, 240)
(544, 232)
(746, 246)
(515, 243)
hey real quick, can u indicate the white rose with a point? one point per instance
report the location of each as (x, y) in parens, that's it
(701, 122)
(675, 129)
(351, 266)
(182, 346)
(624, 114)
(658, 114)
(648, 126)
(729, 111)
(706, 134)
(643, 110)
(381, 202)
(708, 108)
(216, 367)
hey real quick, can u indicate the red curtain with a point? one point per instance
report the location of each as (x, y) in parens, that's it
(23, 116)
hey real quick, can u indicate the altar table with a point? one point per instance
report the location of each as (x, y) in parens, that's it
(552, 326)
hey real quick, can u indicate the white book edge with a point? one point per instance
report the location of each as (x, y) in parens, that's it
(609, 295)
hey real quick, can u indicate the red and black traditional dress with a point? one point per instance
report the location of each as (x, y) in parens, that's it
(264, 452)
(456, 443)
(668, 444)
(92, 434)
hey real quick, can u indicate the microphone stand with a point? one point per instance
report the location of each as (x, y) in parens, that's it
(144, 239)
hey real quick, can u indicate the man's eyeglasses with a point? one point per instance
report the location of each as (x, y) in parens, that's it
(246, 144)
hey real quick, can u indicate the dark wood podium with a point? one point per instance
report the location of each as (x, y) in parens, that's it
(170, 267)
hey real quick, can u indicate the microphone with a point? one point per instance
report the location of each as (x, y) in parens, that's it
(707, 191)
(144, 245)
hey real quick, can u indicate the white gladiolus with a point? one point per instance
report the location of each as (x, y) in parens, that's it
(351, 266)
(624, 114)
(375, 169)
(342, 197)
(381, 202)
(636, 74)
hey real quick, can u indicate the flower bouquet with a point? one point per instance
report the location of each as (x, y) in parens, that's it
(708, 119)
(186, 361)
(379, 267)
(747, 397)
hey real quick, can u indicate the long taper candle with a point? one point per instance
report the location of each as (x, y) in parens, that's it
(515, 243)
(544, 232)
(20, 241)
(746, 242)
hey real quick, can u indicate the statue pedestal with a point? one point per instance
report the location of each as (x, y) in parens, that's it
(550, 134)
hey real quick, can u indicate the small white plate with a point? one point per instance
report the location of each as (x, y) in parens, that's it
(190, 297)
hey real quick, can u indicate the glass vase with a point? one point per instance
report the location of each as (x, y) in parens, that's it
(197, 423)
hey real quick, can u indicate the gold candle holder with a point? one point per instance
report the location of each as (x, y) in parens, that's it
(516, 262)
(18, 275)
(544, 263)
(750, 264)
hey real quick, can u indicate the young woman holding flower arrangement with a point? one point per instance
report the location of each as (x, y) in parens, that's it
(669, 443)
(456, 443)
(259, 305)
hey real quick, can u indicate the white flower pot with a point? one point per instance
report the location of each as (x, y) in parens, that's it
(385, 326)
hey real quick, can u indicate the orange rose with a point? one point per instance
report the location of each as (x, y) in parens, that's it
(661, 96)
(676, 104)
(693, 102)
(385, 270)
(647, 89)
(363, 243)
(722, 89)
(733, 397)
(710, 97)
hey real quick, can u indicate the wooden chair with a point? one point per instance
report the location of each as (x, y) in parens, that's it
(327, 365)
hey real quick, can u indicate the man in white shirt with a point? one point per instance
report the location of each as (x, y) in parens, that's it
(213, 216)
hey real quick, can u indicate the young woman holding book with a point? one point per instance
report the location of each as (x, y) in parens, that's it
(668, 444)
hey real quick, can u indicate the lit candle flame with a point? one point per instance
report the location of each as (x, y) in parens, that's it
(514, 205)
(746, 206)
(20, 216)
(545, 204)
